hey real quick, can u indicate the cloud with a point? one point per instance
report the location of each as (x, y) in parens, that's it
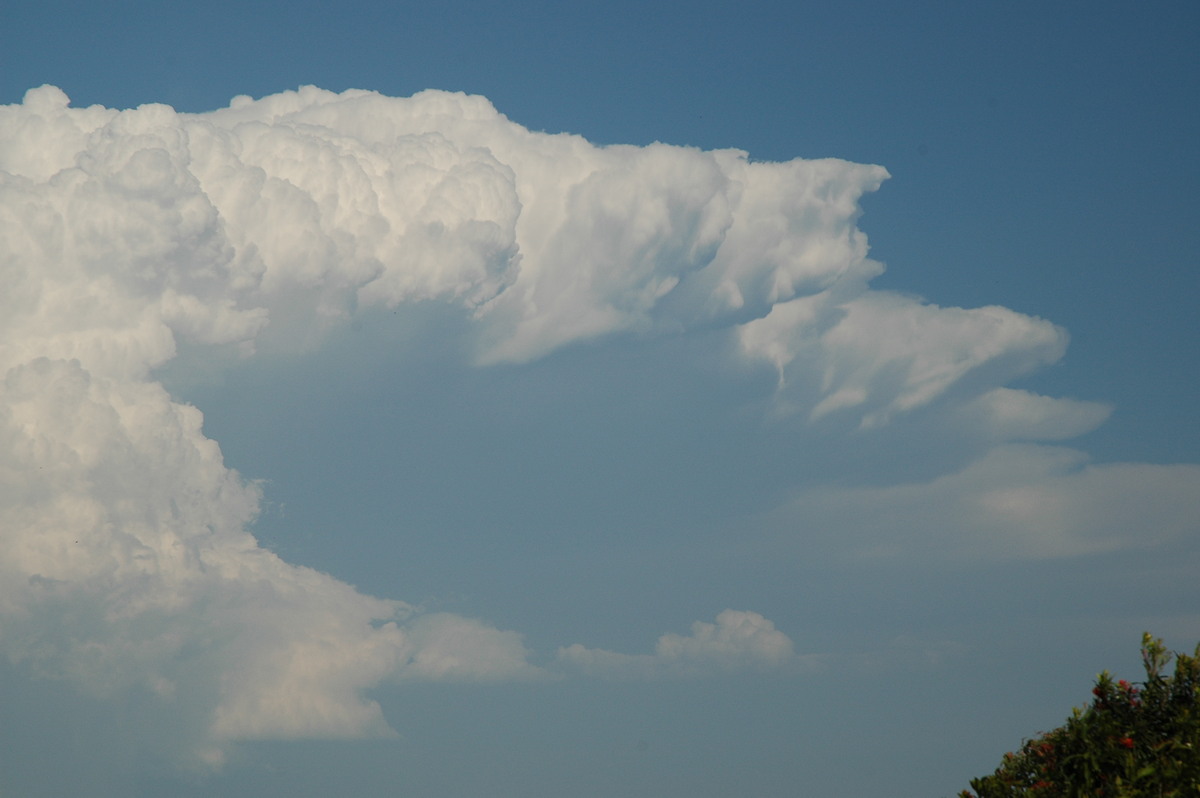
(126, 566)
(451, 647)
(1017, 502)
(880, 354)
(269, 219)
(738, 641)
(1007, 414)
(126, 560)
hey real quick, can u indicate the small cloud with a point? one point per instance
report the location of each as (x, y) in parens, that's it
(738, 641)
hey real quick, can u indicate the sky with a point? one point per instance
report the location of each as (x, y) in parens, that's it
(674, 400)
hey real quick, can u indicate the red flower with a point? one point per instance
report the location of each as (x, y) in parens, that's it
(1125, 742)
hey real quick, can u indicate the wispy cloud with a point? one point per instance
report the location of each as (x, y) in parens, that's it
(1018, 501)
(879, 354)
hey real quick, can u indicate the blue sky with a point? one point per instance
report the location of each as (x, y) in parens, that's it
(646, 479)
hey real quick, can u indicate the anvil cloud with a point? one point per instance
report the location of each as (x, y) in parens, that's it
(127, 561)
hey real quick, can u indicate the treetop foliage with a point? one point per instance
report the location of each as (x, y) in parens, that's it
(1139, 740)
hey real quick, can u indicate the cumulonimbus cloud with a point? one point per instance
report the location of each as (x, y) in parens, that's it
(125, 557)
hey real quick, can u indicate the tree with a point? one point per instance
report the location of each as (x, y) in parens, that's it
(1133, 741)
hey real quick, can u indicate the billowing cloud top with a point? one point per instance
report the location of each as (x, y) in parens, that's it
(125, 560)
(163, 226)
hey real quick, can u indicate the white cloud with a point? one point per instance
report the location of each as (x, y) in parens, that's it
(301, 206)
(451, 647)
(879, 354)
(1006, 414)
(737, 641)
(125, 560)
(1019, 501)
(125, 565)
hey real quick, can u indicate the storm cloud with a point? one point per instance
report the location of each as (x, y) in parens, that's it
(127, 562)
